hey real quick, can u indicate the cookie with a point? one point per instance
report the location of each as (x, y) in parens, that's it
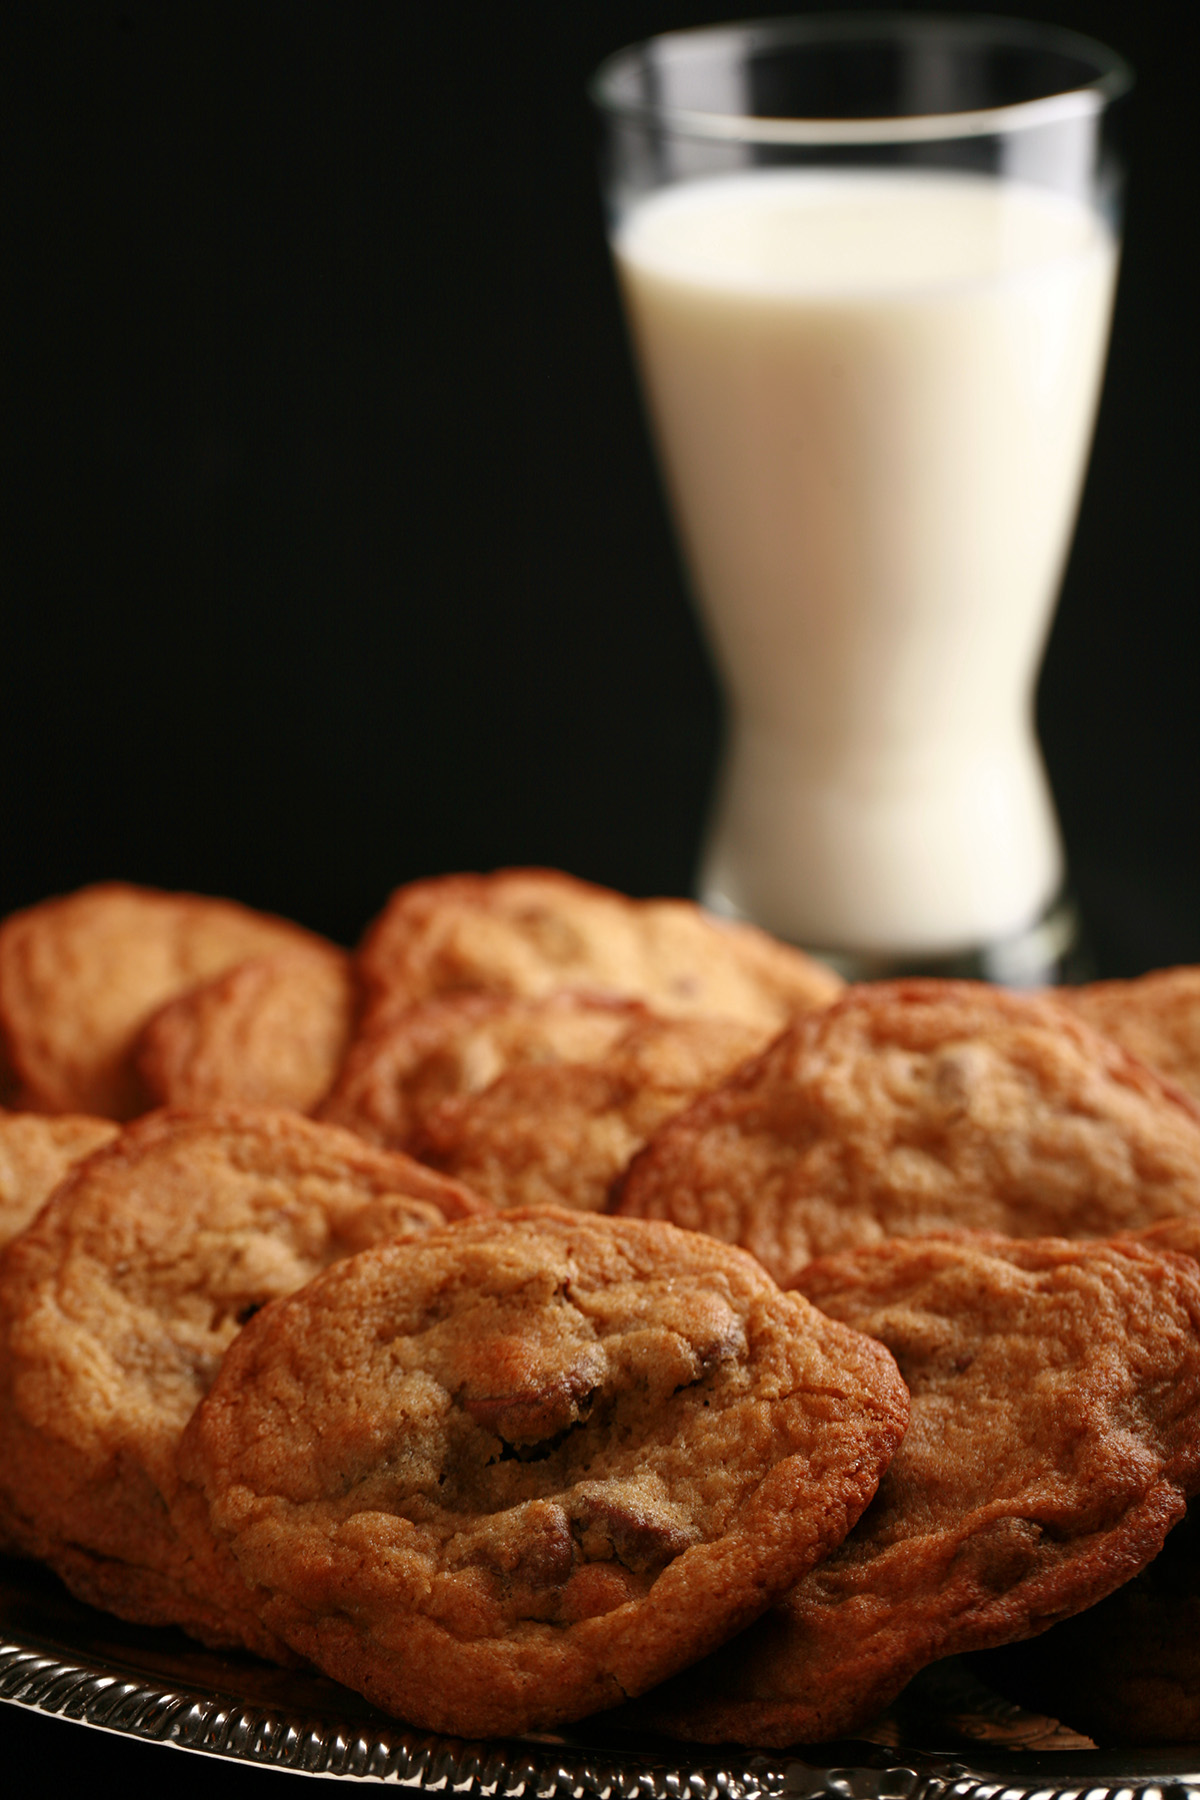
(118, 1302)
(269, 1032)
(532, 931)
(1181, 1237)
(1156, 1017)
(1128, 1671)
(923, 1106)
(36, 1152)
(531, 1101)
(504, 1476)
(1130, 1667)
(1055, 1435)
(79, 976)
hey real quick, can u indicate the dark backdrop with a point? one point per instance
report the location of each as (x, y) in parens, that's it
(335, 553)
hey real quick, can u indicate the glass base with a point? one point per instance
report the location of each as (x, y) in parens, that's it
(1050, 952)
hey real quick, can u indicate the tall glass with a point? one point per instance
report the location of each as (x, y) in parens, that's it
(868, 266)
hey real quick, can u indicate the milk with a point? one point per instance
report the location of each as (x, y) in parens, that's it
(873, 395)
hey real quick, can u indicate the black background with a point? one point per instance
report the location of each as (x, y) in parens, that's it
(334, 553)
(335, 550)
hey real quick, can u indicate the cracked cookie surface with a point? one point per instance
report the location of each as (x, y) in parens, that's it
(914, 1107)
(531, 1101)
(505, 1476)
(1054, 1440)
(532, 931)
(117, 1304)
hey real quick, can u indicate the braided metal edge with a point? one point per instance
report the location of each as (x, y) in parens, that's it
(974, 1788)
(313, 1745)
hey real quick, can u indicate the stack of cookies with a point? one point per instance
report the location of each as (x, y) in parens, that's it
(572, 1304)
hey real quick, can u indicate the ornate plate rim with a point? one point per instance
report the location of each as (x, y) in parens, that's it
(107, 1690)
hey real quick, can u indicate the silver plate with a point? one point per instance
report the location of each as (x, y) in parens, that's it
(949, 1738)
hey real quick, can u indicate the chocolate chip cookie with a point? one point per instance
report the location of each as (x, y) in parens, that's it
(80, 975)
(531, 931)
(1156, 1017)
(1055, 1436)
(1128, 1671)
(117, 1304)
(271, 1031)
(531, 1101)
(923, 1106)
(36, 1152)
(511, 1473)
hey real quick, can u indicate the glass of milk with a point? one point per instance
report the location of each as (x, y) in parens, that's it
(868, 268)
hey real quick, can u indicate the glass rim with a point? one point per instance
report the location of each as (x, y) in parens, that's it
(1113, 78)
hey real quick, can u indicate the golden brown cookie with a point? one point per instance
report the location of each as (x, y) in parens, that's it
(532, 931)
(36, 1152)
(79, 976)
(269, 1032)
(922, 1106)
(117, 1304)
(502, 1477)
(1180, 1236)
(531, 1101)
(1155, 1017)
(1055, 1434)
(1127, 1671)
